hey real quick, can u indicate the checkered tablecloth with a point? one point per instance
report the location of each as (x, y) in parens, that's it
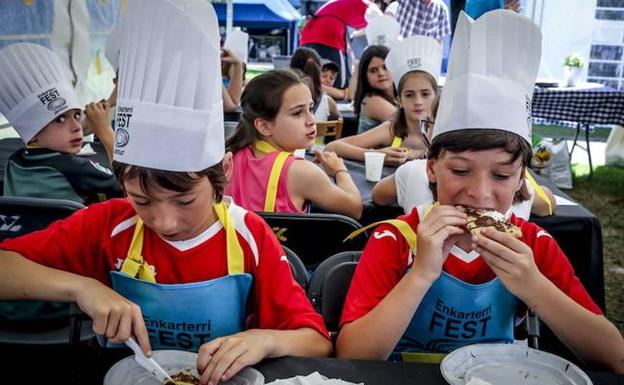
(570, 107)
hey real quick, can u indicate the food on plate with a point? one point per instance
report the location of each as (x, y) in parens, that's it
(184, 377)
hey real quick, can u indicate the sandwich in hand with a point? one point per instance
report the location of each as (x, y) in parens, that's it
(479, 219)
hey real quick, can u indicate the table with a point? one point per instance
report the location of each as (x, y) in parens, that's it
(583, 106)
(378, 372)
(570, 224)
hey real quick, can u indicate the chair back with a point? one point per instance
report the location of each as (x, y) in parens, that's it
(314, 236)
(328, 130)
(329, 286)
(35, 322)
(297, 268)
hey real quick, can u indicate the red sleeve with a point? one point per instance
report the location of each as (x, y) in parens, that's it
(280, 302)
(73, 244)
(382, 265)
(554, 264)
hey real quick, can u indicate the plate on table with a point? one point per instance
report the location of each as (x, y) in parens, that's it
(547, 82)
(128, 372)
(494, 364)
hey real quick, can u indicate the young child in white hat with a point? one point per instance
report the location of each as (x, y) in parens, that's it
(39, 102)
(175, 264)
(425, 284)
(415, 66)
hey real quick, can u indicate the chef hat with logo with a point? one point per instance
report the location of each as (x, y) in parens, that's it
(420, 53)
(169, 109)
(492, 70)
(383, 30)
(33, 88)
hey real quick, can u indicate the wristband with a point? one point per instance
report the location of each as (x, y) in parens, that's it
(339, 171)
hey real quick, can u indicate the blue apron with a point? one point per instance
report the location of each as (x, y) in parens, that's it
(185, 316)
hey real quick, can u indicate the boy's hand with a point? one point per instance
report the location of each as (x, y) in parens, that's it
(435, 236)
(510, 259)
(98, 116)
(113, 316)
(222, 358)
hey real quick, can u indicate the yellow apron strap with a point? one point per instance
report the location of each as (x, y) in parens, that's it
(396, 142)
(404, 228)
(540, 192)
(134, 265)
(423, 357)
(265, 146)
(276, 171)
(236, 261)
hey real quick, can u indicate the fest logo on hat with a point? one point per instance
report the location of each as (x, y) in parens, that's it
(420, 53)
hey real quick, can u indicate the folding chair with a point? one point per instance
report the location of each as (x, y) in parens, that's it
(331, 129)
(37, 322)
(297, 267)
(329, 286)
(314, 236)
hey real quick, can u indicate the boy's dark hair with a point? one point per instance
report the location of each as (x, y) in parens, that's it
(261, 98)
(364, 89)
(171, 180)
(483, 139)
(308, 61)
(399, 121)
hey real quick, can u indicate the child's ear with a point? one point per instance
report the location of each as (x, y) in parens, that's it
(431, 171)
(522, 179)
(263, 127)
(228, 165)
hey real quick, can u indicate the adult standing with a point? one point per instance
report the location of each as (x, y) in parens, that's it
(423, 17)
(326, 32)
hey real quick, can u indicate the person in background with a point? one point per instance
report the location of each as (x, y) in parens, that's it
(476, 8)
(401, 138)
(277, 119)
(44, 112)
(175, 251)
(307, 63)
(419, 273)
(329, 73)
(423, 17)
(375, 96)
(236, 77)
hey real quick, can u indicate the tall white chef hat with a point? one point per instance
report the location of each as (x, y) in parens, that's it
(421, 53)
(111, 51)
(492, 70)
(383, 30)
(169, 109)
(33, 88)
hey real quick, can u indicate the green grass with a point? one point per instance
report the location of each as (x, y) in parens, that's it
(599, 134)
(603, 195)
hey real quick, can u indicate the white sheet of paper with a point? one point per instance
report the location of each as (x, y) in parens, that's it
(561, 201)
(86, 150)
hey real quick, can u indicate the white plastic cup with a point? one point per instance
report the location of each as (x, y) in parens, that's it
(300, 153)
(373, 161)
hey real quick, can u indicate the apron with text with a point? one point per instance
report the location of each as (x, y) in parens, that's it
(184, 316)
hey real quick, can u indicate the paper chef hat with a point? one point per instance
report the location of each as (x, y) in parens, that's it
(238, 42)
(383, 30)
(415, 53)
(492, 70)
(169, 109)
(33, 88)
(111, 51)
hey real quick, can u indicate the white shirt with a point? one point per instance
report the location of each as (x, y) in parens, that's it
(412, 187)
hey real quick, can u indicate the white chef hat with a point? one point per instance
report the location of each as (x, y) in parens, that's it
(33, 88)
(169, 109)
(421, 53)
(383, 30)
(238, 42)
(111, 51)
(492, 70)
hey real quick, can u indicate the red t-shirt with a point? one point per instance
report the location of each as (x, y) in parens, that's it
(386, 258)
(94, 241)
(325, 30)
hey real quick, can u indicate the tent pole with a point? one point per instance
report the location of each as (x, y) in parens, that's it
(229, 16)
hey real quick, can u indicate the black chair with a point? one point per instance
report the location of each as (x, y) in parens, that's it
(297, 267)
(314, 236)
(38, 322)
(329, 286)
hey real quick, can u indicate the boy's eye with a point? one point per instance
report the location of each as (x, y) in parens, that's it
(60, 119)
(78, 116)
(141, 202)
(502, 176)
(186, 202)
(458, 171)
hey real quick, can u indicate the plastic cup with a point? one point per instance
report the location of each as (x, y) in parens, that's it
(300, 153)
(373, 161)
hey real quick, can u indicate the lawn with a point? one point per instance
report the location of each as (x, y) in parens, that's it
(603, 195)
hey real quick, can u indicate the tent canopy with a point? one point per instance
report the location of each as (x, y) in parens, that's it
(260, 13)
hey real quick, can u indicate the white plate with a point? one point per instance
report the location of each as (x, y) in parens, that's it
(510, 365)
(128, 372)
